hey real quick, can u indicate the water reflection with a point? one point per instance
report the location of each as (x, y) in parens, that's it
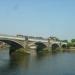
(42, 55)
(41, 64)
(14, 64)
(20, 60)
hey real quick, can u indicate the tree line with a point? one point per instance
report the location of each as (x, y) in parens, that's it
(71, 43)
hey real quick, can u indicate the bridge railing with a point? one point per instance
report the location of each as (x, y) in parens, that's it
(11, 37)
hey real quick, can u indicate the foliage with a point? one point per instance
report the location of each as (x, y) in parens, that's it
(73, 40)
(65, 41)
(71, 44)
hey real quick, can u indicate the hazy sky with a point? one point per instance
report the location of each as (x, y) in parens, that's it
(38, 17)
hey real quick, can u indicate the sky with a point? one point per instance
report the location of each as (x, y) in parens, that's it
(38, 18)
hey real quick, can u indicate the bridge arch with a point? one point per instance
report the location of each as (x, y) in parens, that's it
(64, 46)
(40, 46)
(55, 47)
(13, 45)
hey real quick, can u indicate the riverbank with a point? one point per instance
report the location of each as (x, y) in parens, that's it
(71, 49)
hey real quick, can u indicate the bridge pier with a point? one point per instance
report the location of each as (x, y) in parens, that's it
(26, 47)
(26, 42)
(49, 48)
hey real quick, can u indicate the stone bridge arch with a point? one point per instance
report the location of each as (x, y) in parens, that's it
(55, 46)
(64, 45)
(40, 46)
(14, 44)
(37, 45)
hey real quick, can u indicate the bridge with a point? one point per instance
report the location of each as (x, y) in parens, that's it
(28, 43)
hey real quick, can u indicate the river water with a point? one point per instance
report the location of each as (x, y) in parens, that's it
(42, 64)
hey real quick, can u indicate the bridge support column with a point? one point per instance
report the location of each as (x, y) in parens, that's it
(26, 45)
(26, 42)
(49, 47)
(60, 46)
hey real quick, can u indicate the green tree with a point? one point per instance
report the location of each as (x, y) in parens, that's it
(73, 40)
(65, 41)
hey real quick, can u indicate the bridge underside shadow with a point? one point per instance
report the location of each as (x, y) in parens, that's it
(40, 46)
(13, 45)
(64, 46)
(55, 47)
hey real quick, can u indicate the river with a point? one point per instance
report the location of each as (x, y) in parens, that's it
(42, 64)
